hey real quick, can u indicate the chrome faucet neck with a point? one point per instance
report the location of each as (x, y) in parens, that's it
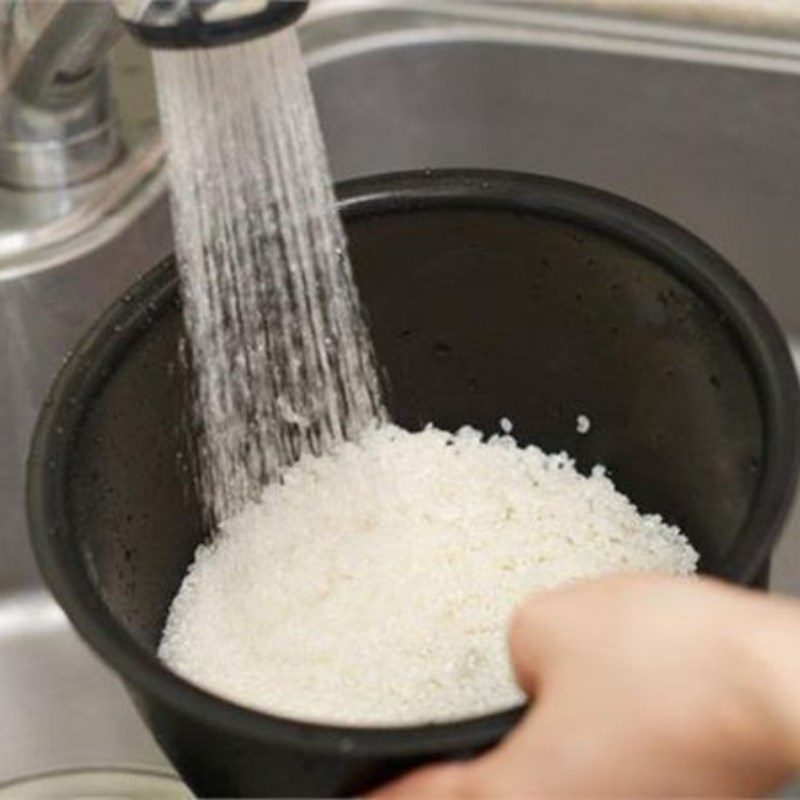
(58, 125)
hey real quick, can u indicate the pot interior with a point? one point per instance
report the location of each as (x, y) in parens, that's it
(477, 314)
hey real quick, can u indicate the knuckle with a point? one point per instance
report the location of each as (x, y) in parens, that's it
(532, 618)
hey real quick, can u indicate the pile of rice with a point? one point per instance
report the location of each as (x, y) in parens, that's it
(376, 584)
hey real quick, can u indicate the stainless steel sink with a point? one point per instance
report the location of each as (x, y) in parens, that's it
(698, 125)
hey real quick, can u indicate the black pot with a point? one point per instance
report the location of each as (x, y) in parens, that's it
(490, 295)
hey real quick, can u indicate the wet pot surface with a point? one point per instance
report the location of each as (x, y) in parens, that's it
(489, 295)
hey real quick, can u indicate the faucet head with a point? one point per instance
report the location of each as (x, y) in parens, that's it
(206, 23)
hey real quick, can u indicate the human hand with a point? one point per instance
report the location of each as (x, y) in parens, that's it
(643, 687)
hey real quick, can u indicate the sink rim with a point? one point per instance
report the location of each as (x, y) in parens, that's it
(390, 23)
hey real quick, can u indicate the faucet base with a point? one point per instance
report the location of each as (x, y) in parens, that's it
(85, 206)
(61, 148)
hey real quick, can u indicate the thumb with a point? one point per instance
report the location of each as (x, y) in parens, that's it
(440, 782)
(494, 773)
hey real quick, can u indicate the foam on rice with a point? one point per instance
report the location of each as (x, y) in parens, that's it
(375, 585)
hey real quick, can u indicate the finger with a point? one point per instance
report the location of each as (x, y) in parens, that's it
(530, 640)
(440, 782)
(546, 628)
(480, 778)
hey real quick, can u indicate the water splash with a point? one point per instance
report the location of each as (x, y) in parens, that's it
(282, 357)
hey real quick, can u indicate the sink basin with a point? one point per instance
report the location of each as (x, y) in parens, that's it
(702, 128)
(60, 707)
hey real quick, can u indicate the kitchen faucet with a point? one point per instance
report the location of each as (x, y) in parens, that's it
(57, 119)
(58, 124)
(64, 158)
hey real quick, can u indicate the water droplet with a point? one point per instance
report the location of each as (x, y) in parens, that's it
(442, 350)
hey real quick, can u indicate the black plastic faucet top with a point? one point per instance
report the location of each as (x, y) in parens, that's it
(177, 24)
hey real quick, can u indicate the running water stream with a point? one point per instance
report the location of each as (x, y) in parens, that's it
(282, 358)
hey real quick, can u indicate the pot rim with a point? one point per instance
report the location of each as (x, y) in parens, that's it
(84, 374)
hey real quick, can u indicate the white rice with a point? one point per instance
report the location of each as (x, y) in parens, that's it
(375, 585)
